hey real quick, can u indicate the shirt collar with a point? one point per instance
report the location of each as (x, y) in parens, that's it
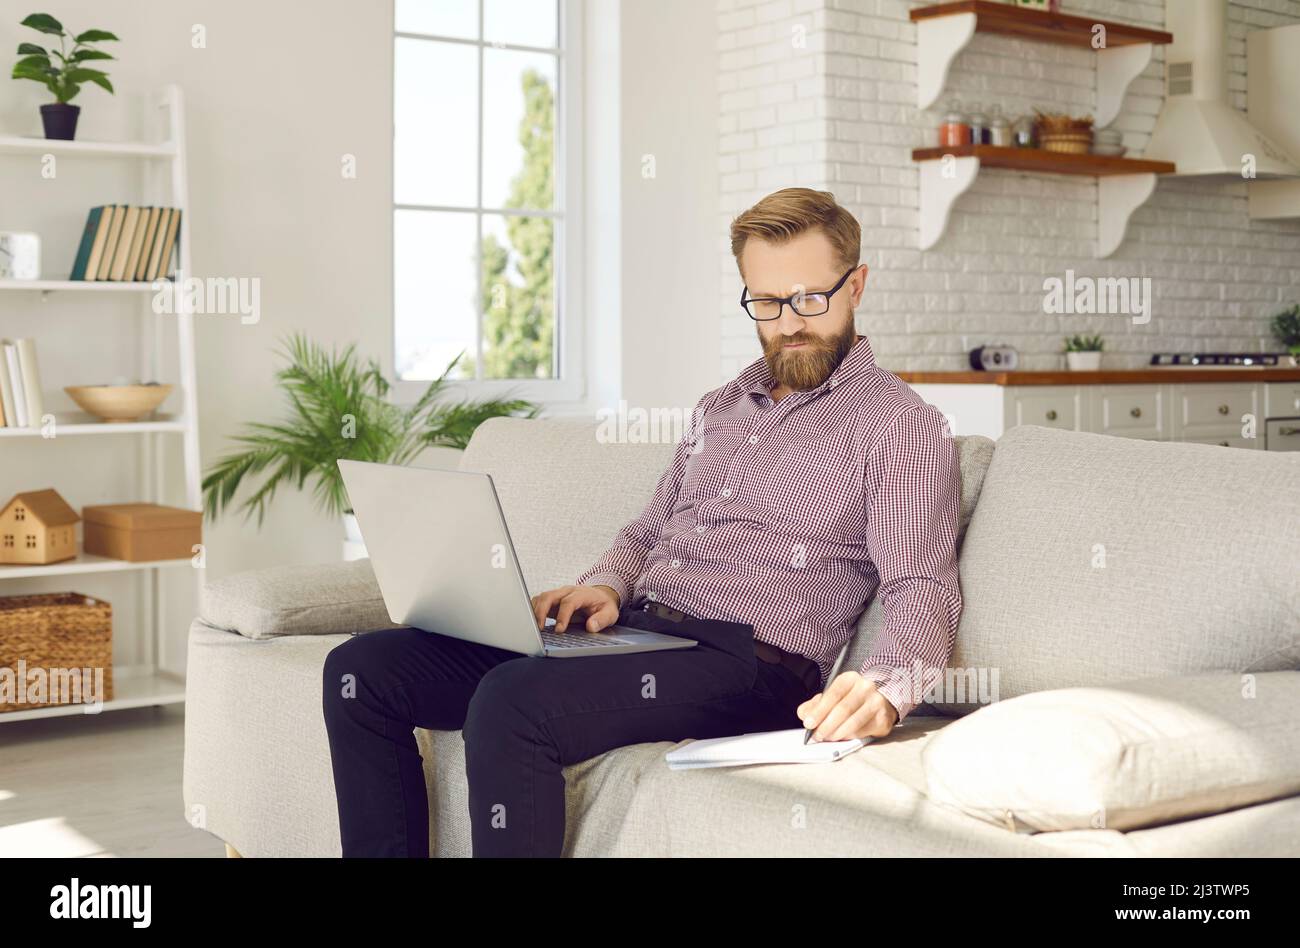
(757, 379)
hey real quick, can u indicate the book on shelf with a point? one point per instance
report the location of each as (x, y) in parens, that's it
(151, 228)
(173, 228)
(127, 243)
(102, 216)
(8, 407)
(21, 403)
(114, 229)
(137, 243)
(124, 241)
(88, 238)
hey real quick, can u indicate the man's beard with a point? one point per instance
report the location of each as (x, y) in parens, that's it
(811, 364)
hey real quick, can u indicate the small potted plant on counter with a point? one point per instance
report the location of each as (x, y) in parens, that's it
(1286, 329)
(1083, 353)
(63, 78)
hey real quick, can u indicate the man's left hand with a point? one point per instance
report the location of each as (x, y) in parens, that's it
(850, 707)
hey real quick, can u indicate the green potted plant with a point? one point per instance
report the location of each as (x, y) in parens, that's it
(65, 77)
(1083, 353)
(1286, 329)
(338, 408)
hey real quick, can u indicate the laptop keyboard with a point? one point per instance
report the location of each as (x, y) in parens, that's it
(567, 639)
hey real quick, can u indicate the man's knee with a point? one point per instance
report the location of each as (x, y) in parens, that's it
(356, 668)
(507, 699)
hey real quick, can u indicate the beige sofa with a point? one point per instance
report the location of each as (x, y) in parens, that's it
(1132, 605)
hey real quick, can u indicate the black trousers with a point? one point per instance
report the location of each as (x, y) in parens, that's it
(523, 718)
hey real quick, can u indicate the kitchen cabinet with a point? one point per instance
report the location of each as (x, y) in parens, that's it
(1251, 409)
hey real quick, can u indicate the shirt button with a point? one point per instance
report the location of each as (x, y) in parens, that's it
(753, 439)
(650, 596)
(677, 564)
(699, 528)
(726, 492)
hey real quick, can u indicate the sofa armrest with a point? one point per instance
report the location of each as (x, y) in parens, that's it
(1122, 756)
(324, 599)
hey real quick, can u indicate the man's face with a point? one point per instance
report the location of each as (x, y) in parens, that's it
(802, 352)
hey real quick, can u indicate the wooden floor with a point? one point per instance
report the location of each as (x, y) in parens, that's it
(97, 785)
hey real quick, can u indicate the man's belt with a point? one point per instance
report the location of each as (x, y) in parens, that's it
(664, 612)
(805, 669)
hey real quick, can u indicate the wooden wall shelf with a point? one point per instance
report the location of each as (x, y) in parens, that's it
(1022, 22)
(1045, 162)
(943, 30)
(1123, 184)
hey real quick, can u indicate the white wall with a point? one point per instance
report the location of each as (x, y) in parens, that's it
(840, 114)
(670, 236)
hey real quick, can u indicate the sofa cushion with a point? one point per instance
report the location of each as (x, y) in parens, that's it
(628, 802)
(1122, 756)
(1093, 559)
(322, 599)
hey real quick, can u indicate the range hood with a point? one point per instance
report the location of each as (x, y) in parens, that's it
(1198, 129)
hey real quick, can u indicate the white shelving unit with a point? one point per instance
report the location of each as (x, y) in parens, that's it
(148, 683)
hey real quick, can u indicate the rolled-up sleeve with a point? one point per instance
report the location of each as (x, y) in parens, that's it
(913, 491)
(621, 565)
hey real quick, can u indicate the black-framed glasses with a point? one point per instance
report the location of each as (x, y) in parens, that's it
(805, 304)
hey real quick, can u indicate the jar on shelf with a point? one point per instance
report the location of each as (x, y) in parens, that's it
(955, 130)
(1022, 132)
(979, 126)
(999, 128)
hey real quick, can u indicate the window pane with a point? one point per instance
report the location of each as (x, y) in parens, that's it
(433, 293)
(518, 129)
(518, 297)
(458, 18)
(435, 122)
(522, 22)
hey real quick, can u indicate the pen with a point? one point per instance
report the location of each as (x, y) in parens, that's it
(835, 670)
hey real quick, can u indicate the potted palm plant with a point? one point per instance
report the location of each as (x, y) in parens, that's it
(1083, 352)
(62, 71)
(338, 408)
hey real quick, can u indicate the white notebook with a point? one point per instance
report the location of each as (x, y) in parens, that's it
(765, 747)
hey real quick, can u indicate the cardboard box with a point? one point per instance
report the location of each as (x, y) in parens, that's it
(139, 533)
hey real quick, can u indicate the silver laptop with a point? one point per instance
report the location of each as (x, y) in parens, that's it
(442, 554)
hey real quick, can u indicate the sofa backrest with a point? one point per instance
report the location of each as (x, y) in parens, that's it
(1094, 559)
(565, 495)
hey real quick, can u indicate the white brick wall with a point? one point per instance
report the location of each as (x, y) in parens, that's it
(821, 93)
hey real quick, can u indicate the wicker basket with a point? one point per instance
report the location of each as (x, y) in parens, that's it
(51, 632)
(1059, 132)
(1070, 143)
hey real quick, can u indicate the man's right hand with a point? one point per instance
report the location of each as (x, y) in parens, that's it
(600, 605)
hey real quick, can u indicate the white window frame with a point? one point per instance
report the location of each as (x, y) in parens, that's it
(571, 384)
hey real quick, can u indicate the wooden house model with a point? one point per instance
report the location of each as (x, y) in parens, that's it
(37, 527)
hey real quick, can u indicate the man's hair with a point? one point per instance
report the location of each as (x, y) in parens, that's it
(787, 213)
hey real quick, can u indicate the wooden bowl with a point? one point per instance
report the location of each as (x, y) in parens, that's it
(118, 404)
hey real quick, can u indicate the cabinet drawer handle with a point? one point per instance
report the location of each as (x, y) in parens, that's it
(1223, 409)
(1135, 412)
(1286, 430)
(1224, 444)
(1051, 414)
